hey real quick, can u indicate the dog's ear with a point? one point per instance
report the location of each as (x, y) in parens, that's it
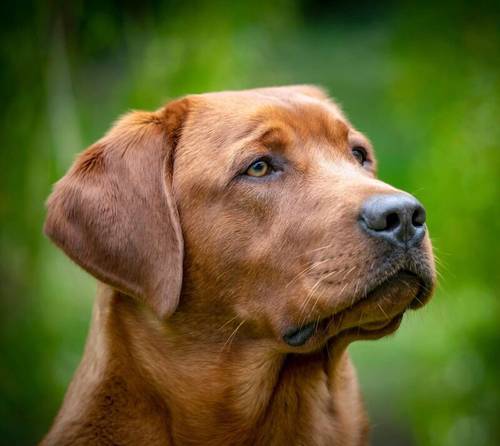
(114, 213)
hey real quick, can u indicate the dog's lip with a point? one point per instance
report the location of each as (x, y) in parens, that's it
(298, 336)
(375, 329)
(418, 300)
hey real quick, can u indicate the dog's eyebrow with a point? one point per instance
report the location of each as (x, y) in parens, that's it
(261, 130)
(275, 137)
(358, 139)
(272, 135)
(266, 139)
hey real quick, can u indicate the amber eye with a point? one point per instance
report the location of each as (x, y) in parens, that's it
(360, 154)
(259, 168)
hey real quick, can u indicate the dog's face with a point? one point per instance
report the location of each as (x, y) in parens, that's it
(272, 188)
(288, 235)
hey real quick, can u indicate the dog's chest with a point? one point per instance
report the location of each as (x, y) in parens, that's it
(300, 409)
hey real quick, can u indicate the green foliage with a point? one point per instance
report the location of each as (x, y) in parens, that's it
(421, 81)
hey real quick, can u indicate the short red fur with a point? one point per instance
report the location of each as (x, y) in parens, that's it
(203, 271)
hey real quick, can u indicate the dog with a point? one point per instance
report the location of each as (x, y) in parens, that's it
(241, 242)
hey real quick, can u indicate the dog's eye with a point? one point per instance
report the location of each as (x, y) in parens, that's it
(360, 154)
(259, 168)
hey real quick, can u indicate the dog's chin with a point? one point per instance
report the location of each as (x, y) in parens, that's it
(373, 315)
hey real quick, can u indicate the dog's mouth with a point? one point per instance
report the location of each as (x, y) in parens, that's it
(379, 311)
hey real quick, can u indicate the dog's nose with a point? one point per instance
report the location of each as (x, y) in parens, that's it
(397, 218)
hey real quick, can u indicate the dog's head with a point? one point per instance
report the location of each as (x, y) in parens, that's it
(261, 208)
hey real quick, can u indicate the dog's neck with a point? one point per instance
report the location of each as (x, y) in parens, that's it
(210, 393)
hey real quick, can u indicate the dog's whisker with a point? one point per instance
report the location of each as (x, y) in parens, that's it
(308, 269)
(311, 292)
(383, 312)
(316, 249)
(232, 336)
(343, 288)
(317, 322)
(227, 322)
(319, 296)
(419, 301)
(309, 295)
(361, 316)
(303, 307)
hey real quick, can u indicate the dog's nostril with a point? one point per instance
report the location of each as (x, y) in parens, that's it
(392, 221)
(418, 217)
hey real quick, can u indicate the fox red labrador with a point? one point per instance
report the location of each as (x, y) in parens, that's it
(241, 241)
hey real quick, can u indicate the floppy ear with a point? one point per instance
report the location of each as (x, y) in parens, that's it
(114, 214)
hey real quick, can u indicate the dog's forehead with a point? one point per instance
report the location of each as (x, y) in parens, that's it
(223, 118)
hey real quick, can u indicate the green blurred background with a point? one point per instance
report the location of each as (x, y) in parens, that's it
(421, 80)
